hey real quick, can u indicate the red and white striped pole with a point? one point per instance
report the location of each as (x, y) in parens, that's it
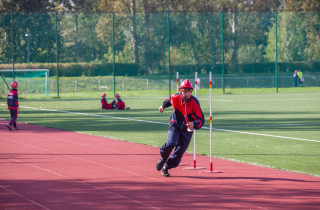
(211, 167)
(177, 82)
(210, 80)
(195, 132)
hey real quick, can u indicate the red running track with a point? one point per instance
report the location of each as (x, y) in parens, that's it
(44, 168)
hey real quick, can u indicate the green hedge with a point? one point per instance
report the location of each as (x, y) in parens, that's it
(125, 69)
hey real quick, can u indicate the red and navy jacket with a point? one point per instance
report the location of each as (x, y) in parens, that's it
(189, 109)
(12, 99)
(120, 104)
(105, 104)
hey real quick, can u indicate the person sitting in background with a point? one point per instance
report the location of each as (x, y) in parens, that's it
(105, 104)
(300, 79)
(295, 79)
(120, 104)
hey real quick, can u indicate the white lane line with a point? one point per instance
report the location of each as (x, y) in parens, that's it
(124, 118)
(84, 183)
(122, 170)
(25, 197)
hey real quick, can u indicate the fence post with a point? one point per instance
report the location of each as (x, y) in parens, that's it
(12, 45)
(168, 23)
(99, 86)
(5, 87)
(276, 51)
(113, 57)
(222, 18)
(28, 86)
(51, 85)
(57, 58)
(147, 84)
(75, 85)
(247, 82)
(122, 84)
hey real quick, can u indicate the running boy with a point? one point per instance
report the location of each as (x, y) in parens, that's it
(187, 115)
(13, 106)
(105, 104)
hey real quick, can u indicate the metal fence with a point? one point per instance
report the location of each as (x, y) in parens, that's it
(102, 85)
(249, 44)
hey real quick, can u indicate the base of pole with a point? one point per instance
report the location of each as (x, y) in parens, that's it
(211, 172)
(183, 164)
(194, 168)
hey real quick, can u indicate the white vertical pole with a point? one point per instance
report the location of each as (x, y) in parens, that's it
(99, 86)
(75, 85)
(195, 132)
(210, 75)
(177, 82)
(47, 84)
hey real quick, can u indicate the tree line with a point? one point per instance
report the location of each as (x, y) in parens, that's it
(84, 31)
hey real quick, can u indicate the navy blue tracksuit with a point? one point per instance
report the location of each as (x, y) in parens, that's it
(13, 105)
(178, 136)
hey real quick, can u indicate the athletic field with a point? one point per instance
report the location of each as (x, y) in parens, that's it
(277, 131)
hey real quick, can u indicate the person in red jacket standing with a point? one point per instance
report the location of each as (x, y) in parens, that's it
(13, 106)
(186, 117)
(105, 104)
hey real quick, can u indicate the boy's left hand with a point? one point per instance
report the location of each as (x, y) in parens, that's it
(190, 125)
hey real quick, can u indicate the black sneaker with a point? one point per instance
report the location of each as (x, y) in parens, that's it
(164, 172)
(16, 128)
(9, 127)
(160, 164)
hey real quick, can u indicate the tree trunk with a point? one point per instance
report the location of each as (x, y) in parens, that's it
(235, 43)
(134, 33)
(147, 40)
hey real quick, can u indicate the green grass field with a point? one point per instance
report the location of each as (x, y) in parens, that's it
(270, 129)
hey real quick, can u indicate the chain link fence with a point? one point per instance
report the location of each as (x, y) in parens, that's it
(245, 49)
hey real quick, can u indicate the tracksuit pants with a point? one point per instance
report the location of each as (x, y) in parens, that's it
(179, 140)
(14, 115)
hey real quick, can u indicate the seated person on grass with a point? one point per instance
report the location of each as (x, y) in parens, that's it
(120, 104)
(105, 104)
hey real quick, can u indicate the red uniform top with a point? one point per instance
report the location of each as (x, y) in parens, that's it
(105, 104)
(120, 104)
(12, 99)
(184, 110)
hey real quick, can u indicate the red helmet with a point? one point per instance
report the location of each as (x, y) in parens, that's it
(186, 84)
(14, 84)
(117, 95)
(103, 94)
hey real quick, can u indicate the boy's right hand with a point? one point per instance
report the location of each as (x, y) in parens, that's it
(161, 109)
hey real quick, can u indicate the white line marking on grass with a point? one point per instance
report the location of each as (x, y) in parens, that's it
(24, 197)
(124, 118)
(259, 134)
(266, 125)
